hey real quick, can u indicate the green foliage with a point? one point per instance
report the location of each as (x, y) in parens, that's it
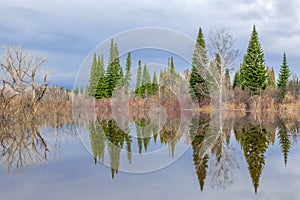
(94, 74)
(255, 143)
(254, 71)
(97, 137)
(146, 86)
(128, 75)
(284, 141)
(284, 73)
(155, 85)
(198, 132)
(236, 80)
(139, 79)
(101, 90)
(198, 88)
(114, 73)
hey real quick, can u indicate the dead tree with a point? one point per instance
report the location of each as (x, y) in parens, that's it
(22, 78)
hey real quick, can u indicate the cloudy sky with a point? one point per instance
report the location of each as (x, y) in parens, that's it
(66, 31)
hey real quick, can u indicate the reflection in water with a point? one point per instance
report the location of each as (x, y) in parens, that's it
(26, 144)
(22, 145)
(198, 130)
(105, 134)
(254, 134)
(254, 143)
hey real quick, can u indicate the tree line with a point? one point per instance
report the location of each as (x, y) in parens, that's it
(253, 76)
(103, 81)
(212, 64)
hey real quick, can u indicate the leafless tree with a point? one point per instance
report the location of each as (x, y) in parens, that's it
(221, 45)
(22, 79)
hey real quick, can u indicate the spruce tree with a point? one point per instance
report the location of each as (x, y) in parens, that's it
(146, 81)
(93, 77)
(254, 74)
(236, 80)
(101, 91)
(284, 73)
(172, 67)
(114, 71)
(139, 78)
(198, 88)
(154, 84)
(127, 77)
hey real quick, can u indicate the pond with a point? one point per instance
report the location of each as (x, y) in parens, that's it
(203, 156)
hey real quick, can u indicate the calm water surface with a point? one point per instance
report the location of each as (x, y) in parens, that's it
(248, 157)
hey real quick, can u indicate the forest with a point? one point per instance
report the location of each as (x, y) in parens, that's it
(252, 87)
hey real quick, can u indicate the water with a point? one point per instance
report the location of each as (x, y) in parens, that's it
(206, 157)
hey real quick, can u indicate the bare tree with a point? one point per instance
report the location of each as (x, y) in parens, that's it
(22, 78)
(222, 52)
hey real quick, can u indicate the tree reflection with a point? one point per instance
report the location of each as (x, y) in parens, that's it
(107, 134)
(22, 146)
(28, 143)
(254, 143)
(198, 130)
(284, 138)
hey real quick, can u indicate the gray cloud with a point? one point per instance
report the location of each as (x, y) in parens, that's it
(67, 30)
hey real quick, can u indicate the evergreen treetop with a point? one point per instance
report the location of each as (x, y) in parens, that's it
(284, 73)
(254, 72)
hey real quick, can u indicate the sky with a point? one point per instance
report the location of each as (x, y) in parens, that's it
(65, 32)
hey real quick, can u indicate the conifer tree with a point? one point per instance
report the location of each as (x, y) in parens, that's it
(198, 87)
(114, 71)
(284, 73)
(254, 72)
(101, 90)
(94, 74)
(127, 77)
(146, 82)
(236, 80)
(139, 78)
(154, 84)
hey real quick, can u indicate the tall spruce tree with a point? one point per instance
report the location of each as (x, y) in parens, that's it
(146, 82)
(114, 71)
(254, 73)
(236, 80)
(198, 87)
(139, 78)
(127, 77)
(284, 73)
(101, 90)
(154, 84)
(94, 75)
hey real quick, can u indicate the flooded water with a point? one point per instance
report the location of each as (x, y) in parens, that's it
(202, 157)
